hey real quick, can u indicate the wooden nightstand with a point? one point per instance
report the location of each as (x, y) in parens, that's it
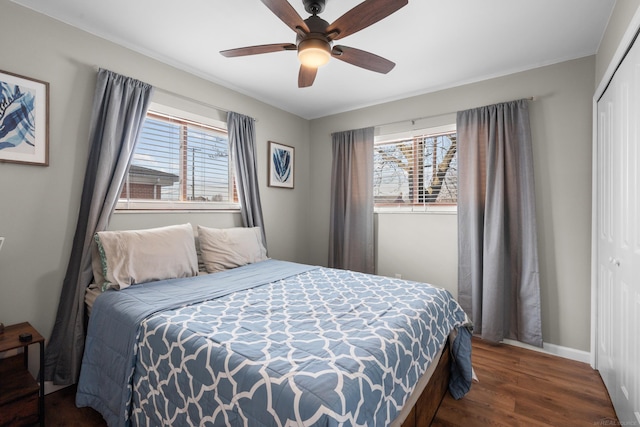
(21, 398)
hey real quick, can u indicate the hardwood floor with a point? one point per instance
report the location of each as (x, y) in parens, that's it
(517, 387)
(61, 411)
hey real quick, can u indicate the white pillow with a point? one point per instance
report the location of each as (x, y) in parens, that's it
(96, 264)
(227, 248)
(139, 256)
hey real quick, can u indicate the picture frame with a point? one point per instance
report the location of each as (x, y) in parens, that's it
(24, 120)
(281, 165)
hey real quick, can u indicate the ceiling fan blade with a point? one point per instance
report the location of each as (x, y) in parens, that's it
(255, 50)
(366, 13)
(306, 76)
(283, 10)
(363, 59)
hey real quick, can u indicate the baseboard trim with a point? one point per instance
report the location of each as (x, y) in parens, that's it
(556, 350)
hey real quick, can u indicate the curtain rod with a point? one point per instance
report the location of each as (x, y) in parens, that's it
(184, 97)
(433, 116)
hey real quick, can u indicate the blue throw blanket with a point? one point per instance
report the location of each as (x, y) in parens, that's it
(266, 344)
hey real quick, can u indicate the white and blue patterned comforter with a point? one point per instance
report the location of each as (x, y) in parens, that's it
(315, 346)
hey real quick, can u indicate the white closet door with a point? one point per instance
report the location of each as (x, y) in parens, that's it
(618, 239)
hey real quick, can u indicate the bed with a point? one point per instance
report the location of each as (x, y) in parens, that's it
(274, 343)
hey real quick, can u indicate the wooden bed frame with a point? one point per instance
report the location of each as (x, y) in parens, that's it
(424, 411)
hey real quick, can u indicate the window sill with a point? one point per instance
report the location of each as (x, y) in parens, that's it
(167, 207)
(174, 211)
(446, 210)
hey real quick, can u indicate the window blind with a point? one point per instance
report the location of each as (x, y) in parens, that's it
(179, 160)
(418, 170)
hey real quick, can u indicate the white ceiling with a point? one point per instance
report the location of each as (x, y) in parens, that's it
(436, 44)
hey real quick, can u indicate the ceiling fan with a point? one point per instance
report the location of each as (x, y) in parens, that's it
(315, 36)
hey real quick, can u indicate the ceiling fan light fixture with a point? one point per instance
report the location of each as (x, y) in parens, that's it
(314, 53)
(315, 36)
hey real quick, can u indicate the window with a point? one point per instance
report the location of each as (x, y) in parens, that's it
(416, 172)
(180, 164)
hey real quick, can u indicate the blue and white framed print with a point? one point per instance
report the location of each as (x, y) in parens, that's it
(281, 165)
(24, 120)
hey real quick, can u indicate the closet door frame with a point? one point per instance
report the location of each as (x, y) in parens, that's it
(625, 44)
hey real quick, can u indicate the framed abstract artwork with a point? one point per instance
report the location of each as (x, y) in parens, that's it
(24, 120)
(281, 165)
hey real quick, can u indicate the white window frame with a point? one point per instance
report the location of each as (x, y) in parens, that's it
(140, 205)
(427, 208)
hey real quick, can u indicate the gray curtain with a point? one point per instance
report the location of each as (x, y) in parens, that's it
(242, 139)
(351, 244)
(119, 108)
(498, 283)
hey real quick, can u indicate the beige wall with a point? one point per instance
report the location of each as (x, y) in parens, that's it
(622, 14)
(422, 247)
(39, 205)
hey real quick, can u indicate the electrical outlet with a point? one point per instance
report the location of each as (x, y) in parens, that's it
(1, 242)
(398, 276)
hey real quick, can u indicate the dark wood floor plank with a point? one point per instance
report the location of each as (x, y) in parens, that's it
(492, 397)
(456, 413)
(538, 390)
(518, 387)
(61, 411)
(567, 391)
